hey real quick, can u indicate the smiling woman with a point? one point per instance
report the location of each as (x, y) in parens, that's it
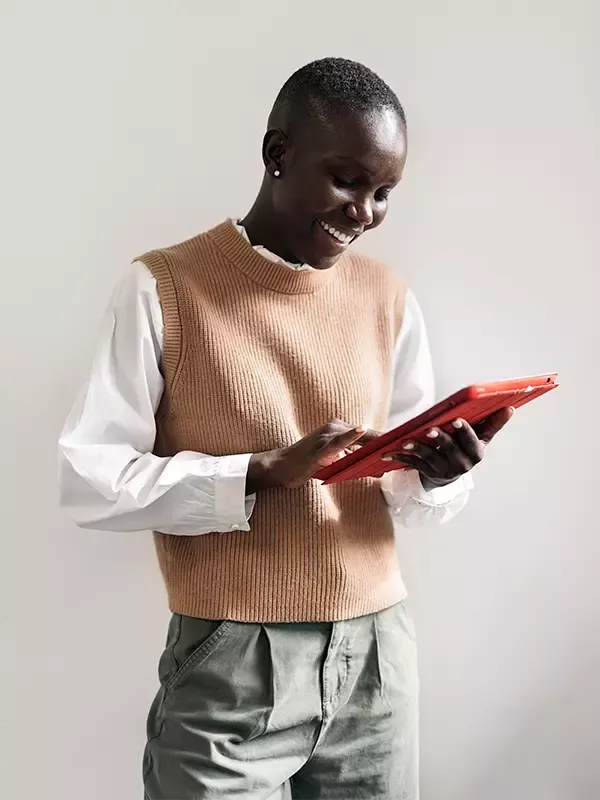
(232, 367)
(336, 146)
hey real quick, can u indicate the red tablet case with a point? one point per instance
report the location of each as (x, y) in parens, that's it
(474, 404)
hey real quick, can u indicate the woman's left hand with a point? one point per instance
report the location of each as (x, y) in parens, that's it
(446, 457)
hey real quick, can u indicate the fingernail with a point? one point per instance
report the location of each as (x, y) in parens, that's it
(360, 429)
(409, 446)
(457, 423)
(433, 434)
(387, 458)
(512, 409)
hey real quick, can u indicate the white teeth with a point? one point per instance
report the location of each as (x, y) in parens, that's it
(341, 237)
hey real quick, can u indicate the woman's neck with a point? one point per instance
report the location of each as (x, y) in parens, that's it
(261, 228)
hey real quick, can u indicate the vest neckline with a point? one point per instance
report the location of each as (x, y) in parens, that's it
(238, 250)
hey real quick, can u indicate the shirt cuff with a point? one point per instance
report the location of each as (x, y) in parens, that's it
(439, 495)
(233, 508)
(400, 483)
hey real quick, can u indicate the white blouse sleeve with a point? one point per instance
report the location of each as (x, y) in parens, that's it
(413, 391)
(109, 478)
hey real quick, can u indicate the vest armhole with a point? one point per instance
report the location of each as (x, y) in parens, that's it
(173, 350)
(399, 307)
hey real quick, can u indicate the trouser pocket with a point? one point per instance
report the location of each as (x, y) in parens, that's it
(190, 640)
(206, 727)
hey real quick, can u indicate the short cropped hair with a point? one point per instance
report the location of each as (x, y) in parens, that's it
(332, 86)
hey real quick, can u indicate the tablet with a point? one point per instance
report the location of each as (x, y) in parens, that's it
(474, 404)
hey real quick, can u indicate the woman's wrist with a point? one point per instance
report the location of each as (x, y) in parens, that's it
(429, 483)
(262, 471)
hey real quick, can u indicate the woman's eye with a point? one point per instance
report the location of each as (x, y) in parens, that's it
(382, 195)
(344, 183)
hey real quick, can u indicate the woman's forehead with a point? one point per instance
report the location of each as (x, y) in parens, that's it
(371, 138)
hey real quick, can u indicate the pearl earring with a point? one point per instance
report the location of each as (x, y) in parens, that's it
(277, 173)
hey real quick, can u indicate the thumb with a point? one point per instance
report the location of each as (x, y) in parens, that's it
(369, 435)
(487, 429)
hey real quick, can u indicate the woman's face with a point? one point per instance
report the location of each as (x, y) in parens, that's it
(335, 180)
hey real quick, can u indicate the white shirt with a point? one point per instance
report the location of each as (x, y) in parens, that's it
(109, 479)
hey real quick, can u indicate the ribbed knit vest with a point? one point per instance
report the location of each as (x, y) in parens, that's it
(256, 356)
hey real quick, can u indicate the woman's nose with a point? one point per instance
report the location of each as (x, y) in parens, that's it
(361, 212)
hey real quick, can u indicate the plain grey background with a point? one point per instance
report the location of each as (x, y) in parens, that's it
(128, 125)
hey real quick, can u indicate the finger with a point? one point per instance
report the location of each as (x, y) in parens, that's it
(347, 451)
(353, 448)
(467, 440)
(487, 429)
(414, 462)
(368, 436)
(458, 459)
(342, 440)
(430, 455)
(435, 463)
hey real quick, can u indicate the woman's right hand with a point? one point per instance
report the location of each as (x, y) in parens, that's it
(293, 466)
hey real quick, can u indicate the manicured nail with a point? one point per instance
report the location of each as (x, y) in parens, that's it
(387, 458)
(361, 429)
(433, 434)
(409, 446)
(458, 423)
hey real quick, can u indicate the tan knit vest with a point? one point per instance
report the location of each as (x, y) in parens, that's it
(255, 356)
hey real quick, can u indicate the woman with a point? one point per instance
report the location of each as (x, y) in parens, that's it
(231, 368)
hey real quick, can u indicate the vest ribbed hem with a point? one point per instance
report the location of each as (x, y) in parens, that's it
(190, 606)
(259, 593)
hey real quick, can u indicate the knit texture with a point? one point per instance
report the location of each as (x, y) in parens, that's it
(256, 356)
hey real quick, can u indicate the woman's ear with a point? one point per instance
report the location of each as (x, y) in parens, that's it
(274, 149)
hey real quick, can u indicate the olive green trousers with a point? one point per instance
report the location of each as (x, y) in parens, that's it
(307, 710)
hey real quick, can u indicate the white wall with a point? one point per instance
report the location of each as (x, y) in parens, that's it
(129, 125)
